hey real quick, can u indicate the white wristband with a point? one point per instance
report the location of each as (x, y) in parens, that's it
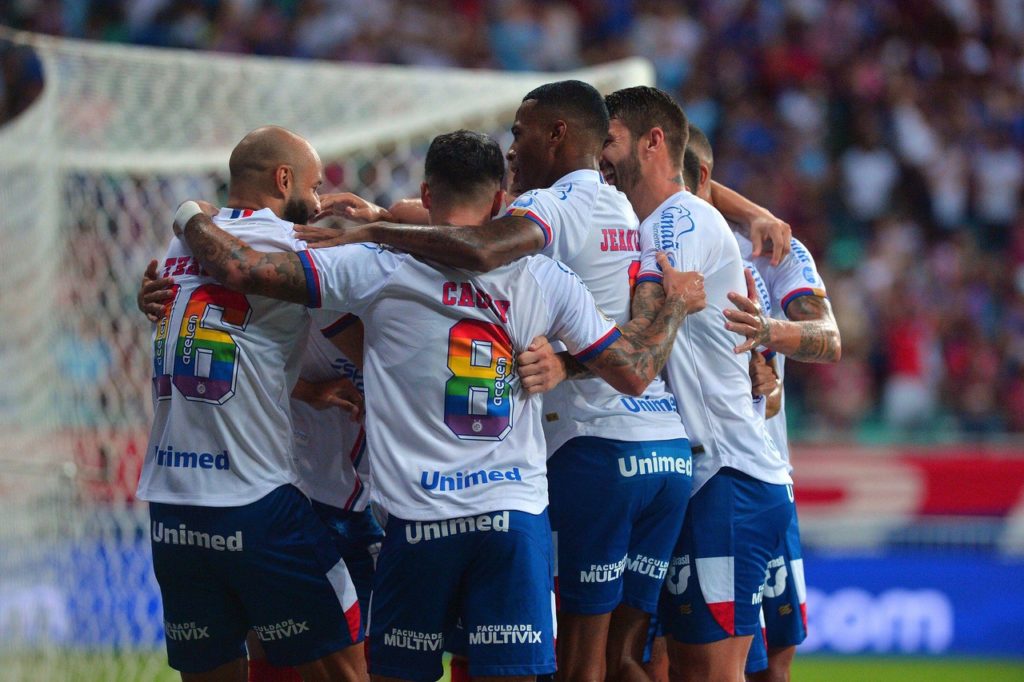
(185, 212)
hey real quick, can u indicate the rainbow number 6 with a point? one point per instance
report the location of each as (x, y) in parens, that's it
(478, 397)
(204, 356)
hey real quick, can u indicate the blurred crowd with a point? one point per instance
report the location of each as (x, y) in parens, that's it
(889, 134)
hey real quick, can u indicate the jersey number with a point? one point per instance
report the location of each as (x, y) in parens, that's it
(478, 397)
(205, 355)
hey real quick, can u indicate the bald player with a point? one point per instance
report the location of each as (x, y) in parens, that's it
(236, 546)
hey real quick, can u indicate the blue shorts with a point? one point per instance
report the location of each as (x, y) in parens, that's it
(357, 535)
(268, 566)
(784, 609)
(492, 571)
(715, 579)
(616, 510)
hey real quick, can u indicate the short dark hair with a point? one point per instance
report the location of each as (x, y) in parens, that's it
(698, 149)
(575, 100)
(462, 164)
(642, 107)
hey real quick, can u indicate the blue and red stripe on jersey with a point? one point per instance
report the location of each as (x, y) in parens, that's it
(649, 276)
(312, 279)
(598, 346)
(536, 219)
(240, 213)
(797, 293)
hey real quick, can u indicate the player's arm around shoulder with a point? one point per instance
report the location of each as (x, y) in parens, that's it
(235, 264)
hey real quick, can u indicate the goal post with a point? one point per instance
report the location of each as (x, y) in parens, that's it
(90, 175)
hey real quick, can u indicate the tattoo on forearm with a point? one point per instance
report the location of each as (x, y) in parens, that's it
(574, 369)
(645, 352)
(232, 262)
(819, 335)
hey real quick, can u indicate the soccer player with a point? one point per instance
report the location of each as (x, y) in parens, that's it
(742, 488)
(462, 475)
(236, 546)
(796, 323)
(612, 549)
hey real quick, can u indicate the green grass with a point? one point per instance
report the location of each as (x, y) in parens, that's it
(823, 669)
(152, 667)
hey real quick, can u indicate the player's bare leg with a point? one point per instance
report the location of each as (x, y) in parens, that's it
(721, 661)
(260, 669)
(582, 640)
(780, 660)
(657, 667)
(232, 671)
(347, 665)
(627, 635)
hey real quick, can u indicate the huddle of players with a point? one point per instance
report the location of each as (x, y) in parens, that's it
(458, 452)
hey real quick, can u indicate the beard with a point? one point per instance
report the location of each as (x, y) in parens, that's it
(627, 173)
(296, 211)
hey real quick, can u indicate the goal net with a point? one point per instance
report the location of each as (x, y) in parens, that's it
(90, 175)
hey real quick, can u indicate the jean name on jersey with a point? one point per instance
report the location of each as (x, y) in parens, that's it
(653, 463)
(465, 295)
(195, 538)
(183, 459)
(183, 265)
(518, 633)
(620, 240)
(416, 531)
(435, 480)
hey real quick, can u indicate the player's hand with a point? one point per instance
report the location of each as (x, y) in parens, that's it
(351, 207)
(340, 393)
(154, 293)
(324, 237)
(748, 319)
(540, 367)
(763, 379)
(208, 208)
(768, 232)
(409, 212)
(688, 286)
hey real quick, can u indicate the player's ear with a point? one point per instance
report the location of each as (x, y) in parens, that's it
(705, 177)
(425, 195)
(498, 203)
(283, 179)
(559, 129)
(655, 138)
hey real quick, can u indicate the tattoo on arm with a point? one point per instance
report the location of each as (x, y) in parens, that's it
(819, 334)
(481, 248)
(641, 355)
(574, 369)
(232, 262)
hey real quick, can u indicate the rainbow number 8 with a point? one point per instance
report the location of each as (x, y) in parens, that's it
(478, 397)
(205, 357)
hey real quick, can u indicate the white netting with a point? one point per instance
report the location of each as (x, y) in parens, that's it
(89, 179)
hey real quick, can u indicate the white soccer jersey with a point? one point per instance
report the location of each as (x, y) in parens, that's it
(224, 364)
(449, 430)
(590, 226)
(795, 276)
(711, 381)
(760, 401)
(330, 448)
